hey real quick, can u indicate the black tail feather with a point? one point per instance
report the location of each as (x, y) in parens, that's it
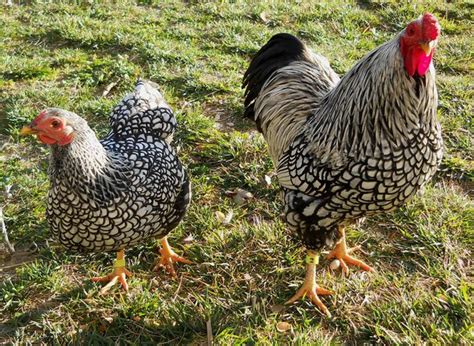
(280, 50)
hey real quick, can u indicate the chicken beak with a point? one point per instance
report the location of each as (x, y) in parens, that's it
(28, 130)
(427, 47)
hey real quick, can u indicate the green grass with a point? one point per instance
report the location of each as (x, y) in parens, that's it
(66, 55)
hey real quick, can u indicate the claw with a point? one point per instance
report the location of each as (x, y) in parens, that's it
(310, 289)
(119, 274)
(312, 293)
(341, 252)
(168, 258)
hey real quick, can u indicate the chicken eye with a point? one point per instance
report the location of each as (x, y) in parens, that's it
(55, 124)
(411, 31)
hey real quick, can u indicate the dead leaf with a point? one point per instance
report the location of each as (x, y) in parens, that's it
(268, 180)
(220, 216)
(109, 319)
(283, 327)
(239, 195)
(189, 239)
(277, 308)
(264, 18)
(254, 219)
(224, 218)
(335, 264)
(228, 217)
(102, 328)
(108, 88)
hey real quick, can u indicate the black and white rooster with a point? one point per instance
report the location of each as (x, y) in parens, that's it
(351, 147)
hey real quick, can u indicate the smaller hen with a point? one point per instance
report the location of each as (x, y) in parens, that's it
(109, 194)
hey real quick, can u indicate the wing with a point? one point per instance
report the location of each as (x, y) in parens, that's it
(299, 169)
(289, 98)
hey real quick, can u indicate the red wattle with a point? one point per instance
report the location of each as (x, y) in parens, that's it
(46, 140)
(417, 61)
(424, 63)
(66, 139)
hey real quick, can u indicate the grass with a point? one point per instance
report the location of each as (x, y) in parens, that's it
(65, 55)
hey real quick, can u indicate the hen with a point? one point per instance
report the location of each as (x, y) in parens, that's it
(110, 194)
(346, 148)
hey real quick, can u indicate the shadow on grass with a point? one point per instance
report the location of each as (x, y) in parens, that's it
(21, 320)
(95, 326)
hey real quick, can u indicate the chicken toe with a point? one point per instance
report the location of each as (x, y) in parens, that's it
(119, 274)
(310, 288)
(168, 258)
(341, 252)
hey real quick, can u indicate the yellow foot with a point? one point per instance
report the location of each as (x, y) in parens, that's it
(341, 252)
(168, 257)
(119, 274)
(310, 289)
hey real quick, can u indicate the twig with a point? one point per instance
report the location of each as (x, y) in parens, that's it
(7, 195)
(179, 287)
(108, 88)
(209, 332)
(10, 247)
(13, 266)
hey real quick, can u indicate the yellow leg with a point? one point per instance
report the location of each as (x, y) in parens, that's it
(168, 257)
(341, 252)
(119, 274)
(310, 289)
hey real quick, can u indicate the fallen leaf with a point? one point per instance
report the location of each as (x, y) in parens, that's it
(335, 264)
(189, 239)
(268, 180)
(109, 319)
(108, 88)
(228, 217)
(220, 216)
(254, 219)
(283, 327)
(277, 308)
(102, 328)
(239, 195)
(224, 218)
(264, 18)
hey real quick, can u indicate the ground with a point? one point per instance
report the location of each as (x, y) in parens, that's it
(86, 57)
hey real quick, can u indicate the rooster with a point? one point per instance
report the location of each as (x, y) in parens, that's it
(346, 148)
(110, 194)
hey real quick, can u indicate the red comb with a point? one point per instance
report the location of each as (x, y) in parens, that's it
(39, 117)
(431, 27)
(42, 114)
